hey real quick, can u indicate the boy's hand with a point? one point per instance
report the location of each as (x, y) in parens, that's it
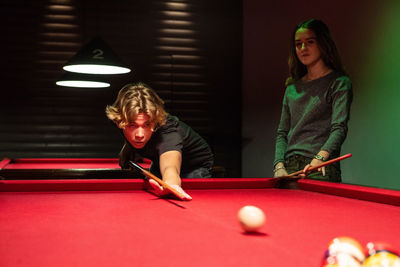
(160, 191)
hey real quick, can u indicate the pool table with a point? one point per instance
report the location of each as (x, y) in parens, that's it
(56, 168)
(116, 222)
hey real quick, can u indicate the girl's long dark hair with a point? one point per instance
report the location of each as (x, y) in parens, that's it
(329, 52)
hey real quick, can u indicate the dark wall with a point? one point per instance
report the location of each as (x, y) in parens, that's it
(189, 52)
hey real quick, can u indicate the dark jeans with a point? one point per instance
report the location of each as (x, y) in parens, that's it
(298, 162)
(197, 173)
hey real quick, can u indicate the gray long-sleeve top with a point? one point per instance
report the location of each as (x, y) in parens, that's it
(314, 117)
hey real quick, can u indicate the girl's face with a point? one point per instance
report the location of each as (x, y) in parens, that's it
(307, 48)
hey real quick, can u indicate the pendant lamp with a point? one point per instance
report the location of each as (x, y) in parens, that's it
(71, 79)
(96, 57)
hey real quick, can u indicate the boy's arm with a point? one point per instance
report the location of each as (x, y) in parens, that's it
(170, 166)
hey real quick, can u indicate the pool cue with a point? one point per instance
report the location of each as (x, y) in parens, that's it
(294, 175)
(158, 180)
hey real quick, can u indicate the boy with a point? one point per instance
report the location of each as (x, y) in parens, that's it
(174, 148)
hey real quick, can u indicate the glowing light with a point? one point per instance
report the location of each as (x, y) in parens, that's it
(96, 69)
(83, 84)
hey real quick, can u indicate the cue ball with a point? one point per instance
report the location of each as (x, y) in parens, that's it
(251, 218)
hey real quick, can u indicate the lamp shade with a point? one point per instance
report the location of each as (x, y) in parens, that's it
(96, 57)
(70, 79)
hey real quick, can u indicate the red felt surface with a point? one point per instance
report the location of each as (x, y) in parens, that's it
(135, 228)
(37, 185)
(64, 163)
(353, 191)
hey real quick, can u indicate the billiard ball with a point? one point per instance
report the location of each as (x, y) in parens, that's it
(344, 251)
(251, 218)
(374, 247)
(381, 254)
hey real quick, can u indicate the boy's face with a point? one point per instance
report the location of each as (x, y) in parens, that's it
(139, 132)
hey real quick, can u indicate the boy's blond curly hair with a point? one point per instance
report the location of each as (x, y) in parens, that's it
(134, 99)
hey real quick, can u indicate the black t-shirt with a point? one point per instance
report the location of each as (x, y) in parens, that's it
(174, 135)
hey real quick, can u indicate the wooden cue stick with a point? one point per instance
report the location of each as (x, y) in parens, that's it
(320, 165)
(158, 180)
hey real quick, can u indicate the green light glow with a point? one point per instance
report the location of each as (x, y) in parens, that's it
(374, 130)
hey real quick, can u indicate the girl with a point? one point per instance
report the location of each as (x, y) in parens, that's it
(316, 104)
